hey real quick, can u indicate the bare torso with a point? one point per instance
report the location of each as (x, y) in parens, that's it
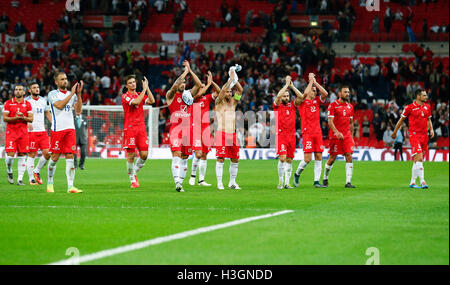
(226, 117)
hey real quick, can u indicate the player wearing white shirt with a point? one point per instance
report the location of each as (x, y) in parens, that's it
(37, 134)
(63, 135)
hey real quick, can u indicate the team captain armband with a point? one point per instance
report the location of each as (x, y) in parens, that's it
(237, 97)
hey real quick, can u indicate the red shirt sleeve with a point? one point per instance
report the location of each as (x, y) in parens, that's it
(352, 111)
(331, 110)
(6, 108)
(407, 111)
(29, 107)
(126, 99)
(429, 111)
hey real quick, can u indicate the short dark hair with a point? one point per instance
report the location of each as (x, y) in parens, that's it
(342, 87)
(128, 77)
(58, 73)
(33, 83)
(19, 84)
(418, 92)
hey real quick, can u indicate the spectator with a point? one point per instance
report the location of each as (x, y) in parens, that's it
(376, 25)
(15, 4)
(425, 30)
(19, 29)
(387, 137)
(365, 127)
(387, 22)
(398, 144)
(39, 30)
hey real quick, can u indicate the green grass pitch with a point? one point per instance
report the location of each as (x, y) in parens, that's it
(330, 226)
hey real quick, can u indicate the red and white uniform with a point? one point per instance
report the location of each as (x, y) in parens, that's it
(17, 132)
(285, 117)
(63, 135)
(200, 117)
(227, 145)
(342, 113)
(38, 137)
(310, 123)
(180, 133)
(135, 135)
(418, 126)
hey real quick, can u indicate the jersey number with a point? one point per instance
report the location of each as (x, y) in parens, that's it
(67, 108)
(313, 109)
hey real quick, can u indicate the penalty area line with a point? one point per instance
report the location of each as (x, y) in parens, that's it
(159, 240)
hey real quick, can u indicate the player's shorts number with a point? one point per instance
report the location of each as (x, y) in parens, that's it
(32, 144)
(308, 145)
(132, 140)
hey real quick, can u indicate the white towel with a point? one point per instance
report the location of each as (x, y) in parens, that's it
(235, 68)
(187, 97)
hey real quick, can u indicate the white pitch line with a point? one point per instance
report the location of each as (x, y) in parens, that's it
(159, 240)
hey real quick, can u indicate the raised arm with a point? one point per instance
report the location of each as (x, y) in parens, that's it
(171, 93)
(323, 92)
(61, 103)
(283, 90)
(151, 99)
(216, 88)
(299, 97)
(310, 84)
(78, 105)
(197, 81)
(204, 87)
(224, 89)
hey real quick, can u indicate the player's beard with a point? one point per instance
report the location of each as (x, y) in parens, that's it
(285, 102)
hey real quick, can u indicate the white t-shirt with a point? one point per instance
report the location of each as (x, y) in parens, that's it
(61, 119)
(39, 106)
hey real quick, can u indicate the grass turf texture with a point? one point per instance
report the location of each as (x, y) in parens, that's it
(328, 226)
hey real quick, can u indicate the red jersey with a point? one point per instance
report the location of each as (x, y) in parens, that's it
(134, 114)
(179, 111)
(418, 118)
(309, 111)
(285, 117)
(12, 107)
(202, 104)
(342, 113)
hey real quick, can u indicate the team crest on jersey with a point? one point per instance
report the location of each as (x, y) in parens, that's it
(179, 100)
(287, 112)
(183, 108)
(74, 147)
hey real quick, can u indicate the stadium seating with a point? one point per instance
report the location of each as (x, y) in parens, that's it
(435, 13)
(48, 11)
(211, 10)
